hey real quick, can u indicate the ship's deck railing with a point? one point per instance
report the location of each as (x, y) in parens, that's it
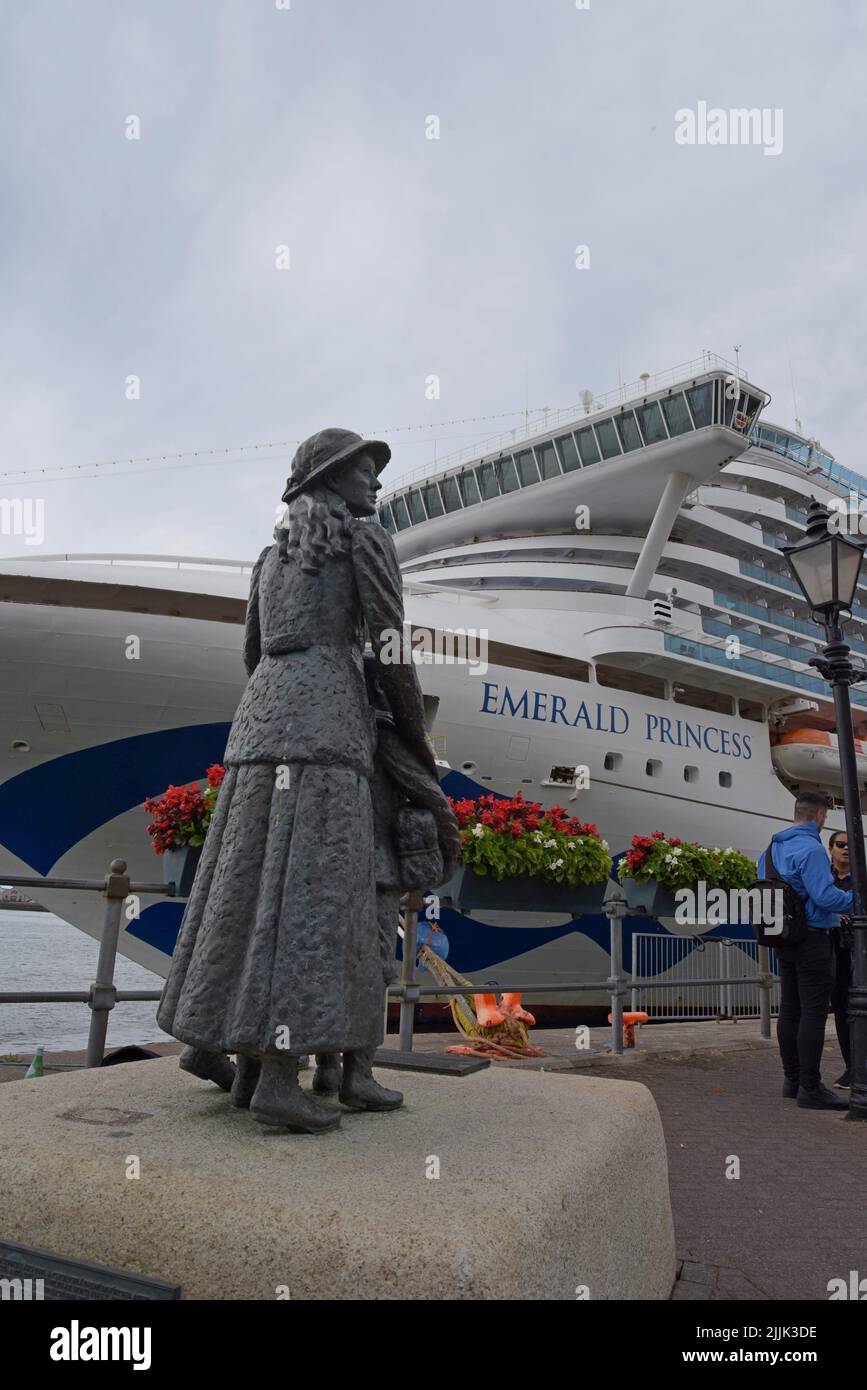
(176, 562)
(116, 887)
(546, 420)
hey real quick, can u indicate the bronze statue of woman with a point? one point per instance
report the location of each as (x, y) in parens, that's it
(279, 953)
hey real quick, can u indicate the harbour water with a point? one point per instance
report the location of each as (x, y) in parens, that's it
(41, 952)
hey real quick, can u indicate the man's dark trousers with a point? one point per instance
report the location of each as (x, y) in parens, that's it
(806, 979)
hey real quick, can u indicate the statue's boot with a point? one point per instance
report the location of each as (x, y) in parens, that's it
(279, 1100)
(247, 1071)
(210, 1066)
(327, 1076)
(487, 1013)
(510, 1005)
(359, 1090)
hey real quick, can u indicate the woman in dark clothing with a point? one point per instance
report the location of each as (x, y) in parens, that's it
(279, 952)
(842, 942)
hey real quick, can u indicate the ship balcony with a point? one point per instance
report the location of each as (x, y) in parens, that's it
(693, 649)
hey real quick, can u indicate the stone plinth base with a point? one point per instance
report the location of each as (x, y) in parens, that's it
(547, 1184)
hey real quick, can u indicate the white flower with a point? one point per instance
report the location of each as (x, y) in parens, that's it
(669, 859)
(572, 846)
(605, 844)
(550, 844)
(556, 863)
(677, 850)
(478, 831)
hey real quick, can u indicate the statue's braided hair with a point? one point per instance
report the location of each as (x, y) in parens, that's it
(315, 529)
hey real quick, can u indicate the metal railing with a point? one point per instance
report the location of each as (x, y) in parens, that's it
(409, 992)
(693, 957)
(103, 993)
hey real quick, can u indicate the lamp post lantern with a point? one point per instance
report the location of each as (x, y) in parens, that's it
(826, 566)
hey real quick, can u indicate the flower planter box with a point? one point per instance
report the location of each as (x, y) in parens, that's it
(179, 867)
(471, 890)
(650, 898)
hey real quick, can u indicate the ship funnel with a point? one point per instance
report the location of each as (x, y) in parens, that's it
(586, 398)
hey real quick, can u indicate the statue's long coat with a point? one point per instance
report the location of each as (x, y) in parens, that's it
(279, 943)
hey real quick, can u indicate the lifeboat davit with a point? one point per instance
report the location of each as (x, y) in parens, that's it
(812, 755)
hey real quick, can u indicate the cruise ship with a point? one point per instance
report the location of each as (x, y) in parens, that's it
(619, 565)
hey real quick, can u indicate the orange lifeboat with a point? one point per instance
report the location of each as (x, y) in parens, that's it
(813, 755)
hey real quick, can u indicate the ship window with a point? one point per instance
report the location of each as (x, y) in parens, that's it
(487, 481)
(700, 698)
(401, 515)
(385, 517)
(432, 500)
(612, 761)
(546, 455)
(676, 414)
(628, 431)
(701, 404)
(608, 441)
(506, 472)
(653, 767)
(451, 496)
(469, 487)
(690, 773)
(416, 510)
(527, 470)
(587, 446)
(751, 709)
(569, 454)
(725, 779)
(639, 682)
(650, 421)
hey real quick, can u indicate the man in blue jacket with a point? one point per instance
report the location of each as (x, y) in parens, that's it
(806, 970)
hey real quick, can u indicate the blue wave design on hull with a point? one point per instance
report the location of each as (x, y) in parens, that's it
(46, 810)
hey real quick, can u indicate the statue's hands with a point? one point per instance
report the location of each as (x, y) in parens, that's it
(448, 832)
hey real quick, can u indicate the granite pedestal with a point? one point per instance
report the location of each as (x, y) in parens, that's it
(507, 1184)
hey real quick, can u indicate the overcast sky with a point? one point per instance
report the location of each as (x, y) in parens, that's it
(306, 127)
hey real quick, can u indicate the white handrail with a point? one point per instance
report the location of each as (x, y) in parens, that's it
(114, 558)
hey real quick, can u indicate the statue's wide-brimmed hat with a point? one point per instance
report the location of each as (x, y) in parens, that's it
(327, 450)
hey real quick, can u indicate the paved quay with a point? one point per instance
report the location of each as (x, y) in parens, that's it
(794, 1219)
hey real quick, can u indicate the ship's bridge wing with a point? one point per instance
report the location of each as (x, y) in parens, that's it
(617, 462)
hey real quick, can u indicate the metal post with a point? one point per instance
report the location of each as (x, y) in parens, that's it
(840, 673)
(615, 911)
(727, 975)
(764, 993)
(407, 971)
(103, 994)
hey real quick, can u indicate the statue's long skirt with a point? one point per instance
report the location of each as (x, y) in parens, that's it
(279, 949)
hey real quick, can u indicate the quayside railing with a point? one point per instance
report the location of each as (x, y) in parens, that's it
(116, 887)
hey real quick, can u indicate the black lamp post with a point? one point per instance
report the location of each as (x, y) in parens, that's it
(826, 566)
